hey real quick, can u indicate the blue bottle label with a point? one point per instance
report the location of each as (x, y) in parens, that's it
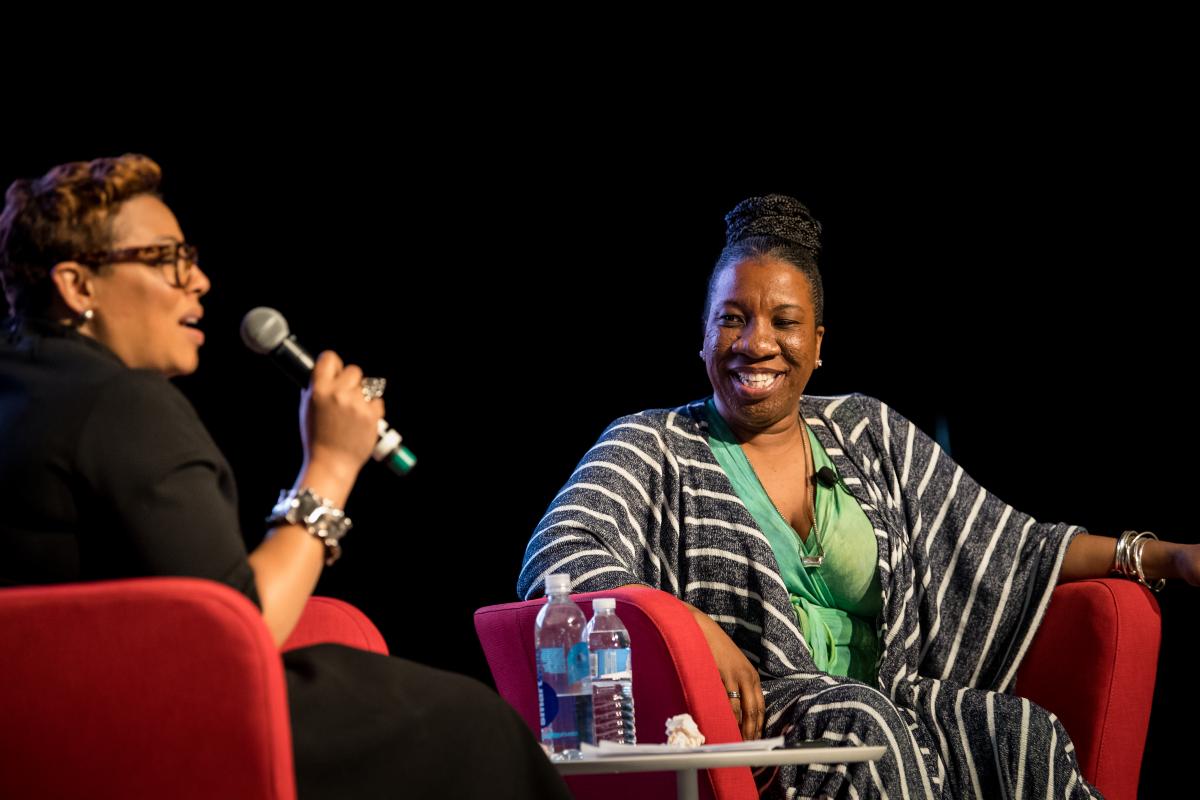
(577, 662)
(611, 661)
(551, 660)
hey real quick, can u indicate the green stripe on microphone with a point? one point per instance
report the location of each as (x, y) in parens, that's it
(401, 461)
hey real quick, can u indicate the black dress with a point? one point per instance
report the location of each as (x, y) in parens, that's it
(107, 472)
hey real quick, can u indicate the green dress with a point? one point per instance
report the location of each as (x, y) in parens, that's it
(837, 603)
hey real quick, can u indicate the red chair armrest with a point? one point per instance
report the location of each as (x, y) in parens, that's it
(1092, 663)
(330, 621)
(673, 673)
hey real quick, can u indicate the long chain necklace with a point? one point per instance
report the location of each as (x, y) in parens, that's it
(818, 559)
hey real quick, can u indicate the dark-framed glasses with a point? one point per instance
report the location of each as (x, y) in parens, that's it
(176, 259)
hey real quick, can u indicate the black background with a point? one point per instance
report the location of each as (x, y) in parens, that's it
(520, 285)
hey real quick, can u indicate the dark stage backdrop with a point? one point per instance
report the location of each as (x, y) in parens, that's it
(1030, 307)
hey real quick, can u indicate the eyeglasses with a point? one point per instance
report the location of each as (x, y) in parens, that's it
(180, 256)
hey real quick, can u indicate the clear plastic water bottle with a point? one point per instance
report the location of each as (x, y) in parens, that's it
(564, 687)
(612, 674)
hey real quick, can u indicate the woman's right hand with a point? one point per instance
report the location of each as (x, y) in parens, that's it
(738, 675)
(338, 427)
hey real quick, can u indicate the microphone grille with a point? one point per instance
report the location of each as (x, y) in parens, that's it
(263, 329)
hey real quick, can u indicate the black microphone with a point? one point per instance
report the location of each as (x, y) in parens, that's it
(827, 477)
(265, 331)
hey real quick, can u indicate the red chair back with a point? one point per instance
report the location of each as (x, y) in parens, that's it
(156, 687)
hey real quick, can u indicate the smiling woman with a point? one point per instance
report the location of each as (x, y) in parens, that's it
(761, 342)
(852, 582)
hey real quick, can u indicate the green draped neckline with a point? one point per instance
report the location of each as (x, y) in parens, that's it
(838, 603)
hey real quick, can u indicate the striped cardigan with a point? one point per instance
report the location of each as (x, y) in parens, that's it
(965, 580)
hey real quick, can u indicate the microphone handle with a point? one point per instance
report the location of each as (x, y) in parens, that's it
(294, 361)
(388, 449)
(297, 364)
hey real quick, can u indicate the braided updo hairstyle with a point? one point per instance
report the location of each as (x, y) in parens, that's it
(65, 212)
(774, 226)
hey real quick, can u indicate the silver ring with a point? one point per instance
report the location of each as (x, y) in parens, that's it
(372, 388)
(734, 695)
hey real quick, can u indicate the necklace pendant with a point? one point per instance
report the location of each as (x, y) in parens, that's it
(813, 561)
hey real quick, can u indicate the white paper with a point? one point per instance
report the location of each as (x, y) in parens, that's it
(618, 749)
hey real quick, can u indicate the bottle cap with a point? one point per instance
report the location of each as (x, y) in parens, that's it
(604, 604)
(558, 583)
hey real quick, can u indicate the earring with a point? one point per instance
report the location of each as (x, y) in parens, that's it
(819, 362)
(87, 316)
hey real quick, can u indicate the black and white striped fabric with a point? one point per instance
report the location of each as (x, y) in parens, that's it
(965, 579)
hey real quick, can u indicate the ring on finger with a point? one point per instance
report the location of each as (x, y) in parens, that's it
(372, 388)
(734, 695)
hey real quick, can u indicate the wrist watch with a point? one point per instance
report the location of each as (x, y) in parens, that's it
(316, 514)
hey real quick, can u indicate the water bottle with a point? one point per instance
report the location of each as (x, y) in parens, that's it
(564, 687)
(612, 674)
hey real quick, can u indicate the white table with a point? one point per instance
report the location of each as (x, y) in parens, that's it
(686, 765)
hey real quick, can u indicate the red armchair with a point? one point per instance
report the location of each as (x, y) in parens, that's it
(154, 687)
(1092, 663)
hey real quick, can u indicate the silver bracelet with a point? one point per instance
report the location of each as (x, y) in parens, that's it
(317, 515)
(1128, 559)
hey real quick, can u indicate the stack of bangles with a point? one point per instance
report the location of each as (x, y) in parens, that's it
(1128, 560)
